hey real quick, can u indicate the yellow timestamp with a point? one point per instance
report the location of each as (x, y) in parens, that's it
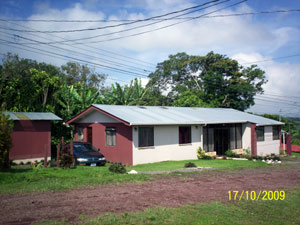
(256, 195)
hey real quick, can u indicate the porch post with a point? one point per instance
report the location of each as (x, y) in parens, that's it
(253, 140)
(288, 144)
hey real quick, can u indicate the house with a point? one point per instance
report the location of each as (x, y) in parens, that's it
(145, 134)
(31, 137)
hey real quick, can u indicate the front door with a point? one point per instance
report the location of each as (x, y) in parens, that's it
(221, 136)
(90, 135)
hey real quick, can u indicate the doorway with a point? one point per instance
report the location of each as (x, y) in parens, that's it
(221, 136)
(90, 135)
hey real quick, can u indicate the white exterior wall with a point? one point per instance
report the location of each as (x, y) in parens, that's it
(269, 146)
(246, 136)
(166, 145)
(96, 117)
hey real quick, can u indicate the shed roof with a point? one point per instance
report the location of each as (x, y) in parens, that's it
(32, 116)
(165, 115)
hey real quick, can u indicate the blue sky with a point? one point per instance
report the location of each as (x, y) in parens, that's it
(247, 39)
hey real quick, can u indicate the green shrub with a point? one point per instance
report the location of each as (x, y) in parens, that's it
(257, 157)
(207, 157)
(200, 153)
(117, 168)
(6, 128)
(65, 157)
(189, 164)
(230, 153)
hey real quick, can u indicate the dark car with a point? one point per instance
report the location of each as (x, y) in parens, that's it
(86, 154)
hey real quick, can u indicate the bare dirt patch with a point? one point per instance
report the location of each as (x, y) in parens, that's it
(172, 191)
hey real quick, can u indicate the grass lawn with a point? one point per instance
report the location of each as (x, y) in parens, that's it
(285, 211)
(297, 154)
(218, 164)
(29, 180)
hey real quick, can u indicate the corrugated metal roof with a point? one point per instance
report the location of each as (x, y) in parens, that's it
(158, 115)
(32, 116)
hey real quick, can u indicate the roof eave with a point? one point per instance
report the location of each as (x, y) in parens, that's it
(92, 107)
(269, 124)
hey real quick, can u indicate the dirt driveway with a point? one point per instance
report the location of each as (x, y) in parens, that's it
(170, 192)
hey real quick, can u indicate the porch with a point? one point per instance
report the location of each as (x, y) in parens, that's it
(222, 137)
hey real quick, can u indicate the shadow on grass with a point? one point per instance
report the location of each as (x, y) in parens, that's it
(16, 170)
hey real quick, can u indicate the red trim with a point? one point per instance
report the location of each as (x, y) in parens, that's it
(99, 110)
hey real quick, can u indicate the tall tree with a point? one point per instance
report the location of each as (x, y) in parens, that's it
(217, 80)
(16, 89)
(74, 73)
(43, 85)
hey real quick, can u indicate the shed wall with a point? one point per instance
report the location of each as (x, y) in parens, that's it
(29, 139)
(166, 145)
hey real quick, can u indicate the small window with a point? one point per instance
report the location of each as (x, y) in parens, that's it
(260, 133)
(79, 131)
(276, 131)
(111, 139)
(185, 135)
(146, 136)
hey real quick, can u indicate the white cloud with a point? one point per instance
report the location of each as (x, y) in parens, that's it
(283, 79)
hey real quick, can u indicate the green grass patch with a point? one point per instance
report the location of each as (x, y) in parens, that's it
(278, 212)
(218, 164)
(29, 180)
(297, 154)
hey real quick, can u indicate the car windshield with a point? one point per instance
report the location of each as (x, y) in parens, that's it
(84, 147)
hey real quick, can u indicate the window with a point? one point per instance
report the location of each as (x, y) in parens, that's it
(238, 136)
(260, 133)
(111, 139)
(80, 135)
(185, 135)
(146, 136)
(276, 131)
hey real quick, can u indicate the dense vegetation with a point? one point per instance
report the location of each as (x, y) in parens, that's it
(6, 126)
(213, 80)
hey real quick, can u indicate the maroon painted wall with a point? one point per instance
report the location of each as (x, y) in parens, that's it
(253, 140)
(122, 152)
(29, 139)
(295, 148)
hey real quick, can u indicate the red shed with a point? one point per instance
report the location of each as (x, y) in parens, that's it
(31, 136)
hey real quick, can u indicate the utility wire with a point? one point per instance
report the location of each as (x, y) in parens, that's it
(163, 27)
(280, 100)
(41, 52)
(106, 60)
(63, 49)
(283, 57)
(261, 99)
(144, 32)
(85, 61)
(280, 96)
(127, 23)
(127, 20)
(277, 94)
(136, 34)
(116, 55)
